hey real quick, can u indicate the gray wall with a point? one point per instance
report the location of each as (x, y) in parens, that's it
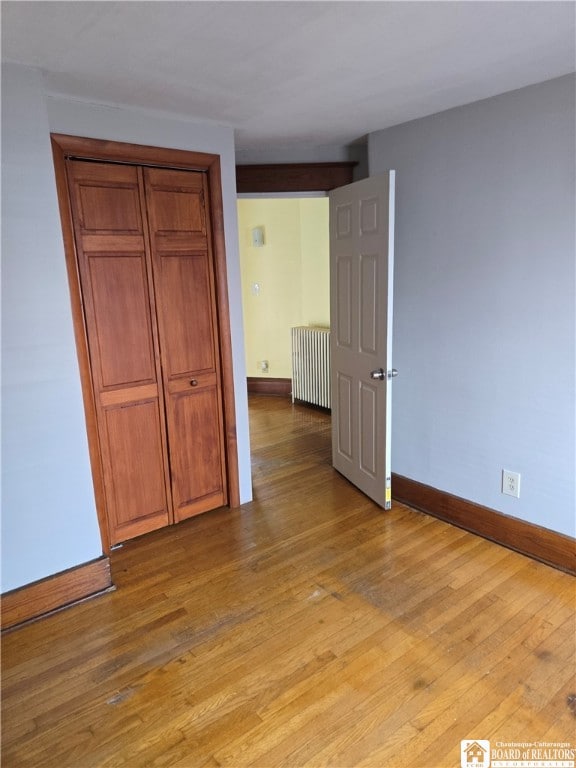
(48, 513)
(484, 321)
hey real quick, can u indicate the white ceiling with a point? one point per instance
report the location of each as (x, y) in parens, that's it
(287, 72)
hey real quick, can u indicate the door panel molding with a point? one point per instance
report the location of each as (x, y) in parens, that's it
(65, 147)
(367, 414)
(344, 404)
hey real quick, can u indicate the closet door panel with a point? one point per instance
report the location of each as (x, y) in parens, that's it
(109, 204)
(122, 319)
(137, 483)
(186, 306)
(122, 340)
(183, 290)
(193, 444)
(179, 210)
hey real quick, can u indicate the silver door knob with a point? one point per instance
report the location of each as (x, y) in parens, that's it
(380, 374)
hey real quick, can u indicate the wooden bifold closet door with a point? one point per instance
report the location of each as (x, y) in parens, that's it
(147, 282)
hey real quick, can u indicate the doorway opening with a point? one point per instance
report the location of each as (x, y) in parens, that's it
(274, 182)
(285, 272)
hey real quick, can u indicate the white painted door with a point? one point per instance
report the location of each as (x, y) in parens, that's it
(361, 282)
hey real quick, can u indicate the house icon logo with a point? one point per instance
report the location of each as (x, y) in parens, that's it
(475, 753)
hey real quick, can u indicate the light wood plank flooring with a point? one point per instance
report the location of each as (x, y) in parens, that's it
(308, 628)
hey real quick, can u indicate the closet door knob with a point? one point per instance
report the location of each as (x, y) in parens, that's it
(193, 382)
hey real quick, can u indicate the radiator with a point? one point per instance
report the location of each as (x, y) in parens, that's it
(311, 365)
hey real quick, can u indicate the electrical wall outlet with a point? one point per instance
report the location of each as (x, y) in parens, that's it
(511, 483)
(264, 366)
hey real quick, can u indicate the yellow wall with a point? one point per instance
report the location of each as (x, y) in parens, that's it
(291, 271)
(315, 272)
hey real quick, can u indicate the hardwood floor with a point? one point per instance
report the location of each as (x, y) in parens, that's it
(308, 628)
